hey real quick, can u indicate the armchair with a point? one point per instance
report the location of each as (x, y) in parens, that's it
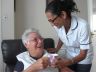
(11, 48)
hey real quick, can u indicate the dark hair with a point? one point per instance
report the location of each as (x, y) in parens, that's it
(56, 6)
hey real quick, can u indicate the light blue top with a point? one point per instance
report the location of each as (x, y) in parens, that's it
(78, 38)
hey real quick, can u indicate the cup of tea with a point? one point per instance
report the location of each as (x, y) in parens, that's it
(52, 59)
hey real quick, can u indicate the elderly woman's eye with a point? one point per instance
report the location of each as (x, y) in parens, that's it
(33, 40)
(41, 38)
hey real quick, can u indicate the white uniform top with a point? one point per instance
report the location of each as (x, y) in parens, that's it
(78, 37)
(27, 61)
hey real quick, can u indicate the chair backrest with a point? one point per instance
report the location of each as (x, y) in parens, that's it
(49, 43)
(11, 48)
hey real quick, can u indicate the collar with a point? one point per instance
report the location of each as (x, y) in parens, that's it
(43, 55)
(74, 22)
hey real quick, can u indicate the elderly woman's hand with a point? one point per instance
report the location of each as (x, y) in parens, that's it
(41, 63)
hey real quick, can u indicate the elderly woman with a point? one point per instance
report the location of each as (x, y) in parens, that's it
(35, 59)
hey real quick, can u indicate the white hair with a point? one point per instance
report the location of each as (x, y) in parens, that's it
(26, 34)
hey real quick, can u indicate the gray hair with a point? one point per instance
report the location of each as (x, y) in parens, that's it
(26, 34)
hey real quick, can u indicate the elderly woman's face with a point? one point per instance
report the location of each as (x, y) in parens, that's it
(35, 44)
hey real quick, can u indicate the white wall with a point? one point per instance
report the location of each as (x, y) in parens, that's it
(31, 13)
(7, 15)
(83, 7)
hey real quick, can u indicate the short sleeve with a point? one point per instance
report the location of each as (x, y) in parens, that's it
(85, 37)
(19, 67)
